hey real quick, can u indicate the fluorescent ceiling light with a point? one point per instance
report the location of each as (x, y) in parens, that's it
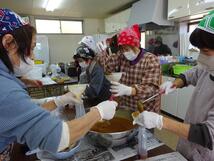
(51, 5)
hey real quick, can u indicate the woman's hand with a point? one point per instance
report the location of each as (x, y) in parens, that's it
(68, 98)
(32, 83)
(167, 87)
(119, 89)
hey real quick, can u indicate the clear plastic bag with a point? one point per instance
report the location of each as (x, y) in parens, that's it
(142, 139)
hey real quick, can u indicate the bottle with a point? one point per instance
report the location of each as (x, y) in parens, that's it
(142, 149)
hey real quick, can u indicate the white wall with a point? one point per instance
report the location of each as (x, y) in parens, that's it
(63, 46)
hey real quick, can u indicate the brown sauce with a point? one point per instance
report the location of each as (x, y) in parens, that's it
(116, 124)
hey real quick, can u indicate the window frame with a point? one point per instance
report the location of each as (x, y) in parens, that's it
(58, 19)
(191, 23)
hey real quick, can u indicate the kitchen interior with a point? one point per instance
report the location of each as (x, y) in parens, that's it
(61, 26)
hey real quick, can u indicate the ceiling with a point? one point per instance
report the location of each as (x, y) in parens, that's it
(69, 8)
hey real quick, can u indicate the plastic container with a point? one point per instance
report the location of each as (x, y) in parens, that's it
(142, 149)
(115, 76)
(35, 73)
(180, 68)
(165, 68)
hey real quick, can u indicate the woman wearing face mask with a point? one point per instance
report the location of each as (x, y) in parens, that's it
(25, 68)
(23, 121)
(197, 132)
(98, 89)
(141, 71)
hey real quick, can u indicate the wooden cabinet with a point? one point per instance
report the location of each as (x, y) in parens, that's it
(200, 6)
(183, 8)
(178, 9)
(183, 98)
(117, 22)
(169, 102)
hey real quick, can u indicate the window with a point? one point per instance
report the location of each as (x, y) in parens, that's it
(48, 26)
(74, 27)
(143, 40)
(58, 26)
(192, 27)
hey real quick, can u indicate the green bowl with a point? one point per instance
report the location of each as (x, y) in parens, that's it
(180, 68)
(165, 68)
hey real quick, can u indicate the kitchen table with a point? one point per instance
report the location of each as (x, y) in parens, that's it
(18, 153)
(50, 88)
(154, 152)
(125, 152)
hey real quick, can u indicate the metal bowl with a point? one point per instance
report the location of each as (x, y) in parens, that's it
(116, 138)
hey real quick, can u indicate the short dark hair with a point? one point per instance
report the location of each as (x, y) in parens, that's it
(202, 39)
(23, 37)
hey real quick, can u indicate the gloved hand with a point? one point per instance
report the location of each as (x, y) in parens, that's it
(149, 120)
(119, 89)
(102, 46)
(167, 87)
(107, 109)
(68, 98)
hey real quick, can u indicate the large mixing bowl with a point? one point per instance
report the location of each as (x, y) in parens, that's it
(114, 138)
(115, 76)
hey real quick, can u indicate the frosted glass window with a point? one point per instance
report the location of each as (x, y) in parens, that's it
(59, 26)
(143, 40)
(48, 26)
(74, 27)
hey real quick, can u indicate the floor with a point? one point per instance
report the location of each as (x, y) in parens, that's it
(167, 137)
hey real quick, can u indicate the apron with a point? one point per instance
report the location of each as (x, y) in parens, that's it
(5, 155)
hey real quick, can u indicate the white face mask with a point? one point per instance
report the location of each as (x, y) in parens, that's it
(206, 62)
(23, 68)
(130, 55)
(83, 65)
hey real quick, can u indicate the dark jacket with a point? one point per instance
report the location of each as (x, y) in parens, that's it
(99, 87)
(163, 50)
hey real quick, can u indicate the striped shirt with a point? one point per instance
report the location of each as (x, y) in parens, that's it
(144, 76)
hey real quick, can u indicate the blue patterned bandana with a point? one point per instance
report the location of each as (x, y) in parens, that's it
(9, 21)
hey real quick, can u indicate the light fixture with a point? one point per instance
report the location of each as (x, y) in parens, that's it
(51, 5)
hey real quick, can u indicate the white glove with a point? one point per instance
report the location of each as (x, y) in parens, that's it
(167, 87)
(68, 98)
(120, 89)
(149, 120)
(107, 109)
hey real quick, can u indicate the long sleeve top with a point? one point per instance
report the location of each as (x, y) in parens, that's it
(98, 89)
(23, 121)
(144, 75)
(200, 111)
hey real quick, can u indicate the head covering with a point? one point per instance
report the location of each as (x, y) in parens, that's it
(84, 52)
(89, 42)
(158, 39)
(9, 21)
(207, 23)
(130, 36)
